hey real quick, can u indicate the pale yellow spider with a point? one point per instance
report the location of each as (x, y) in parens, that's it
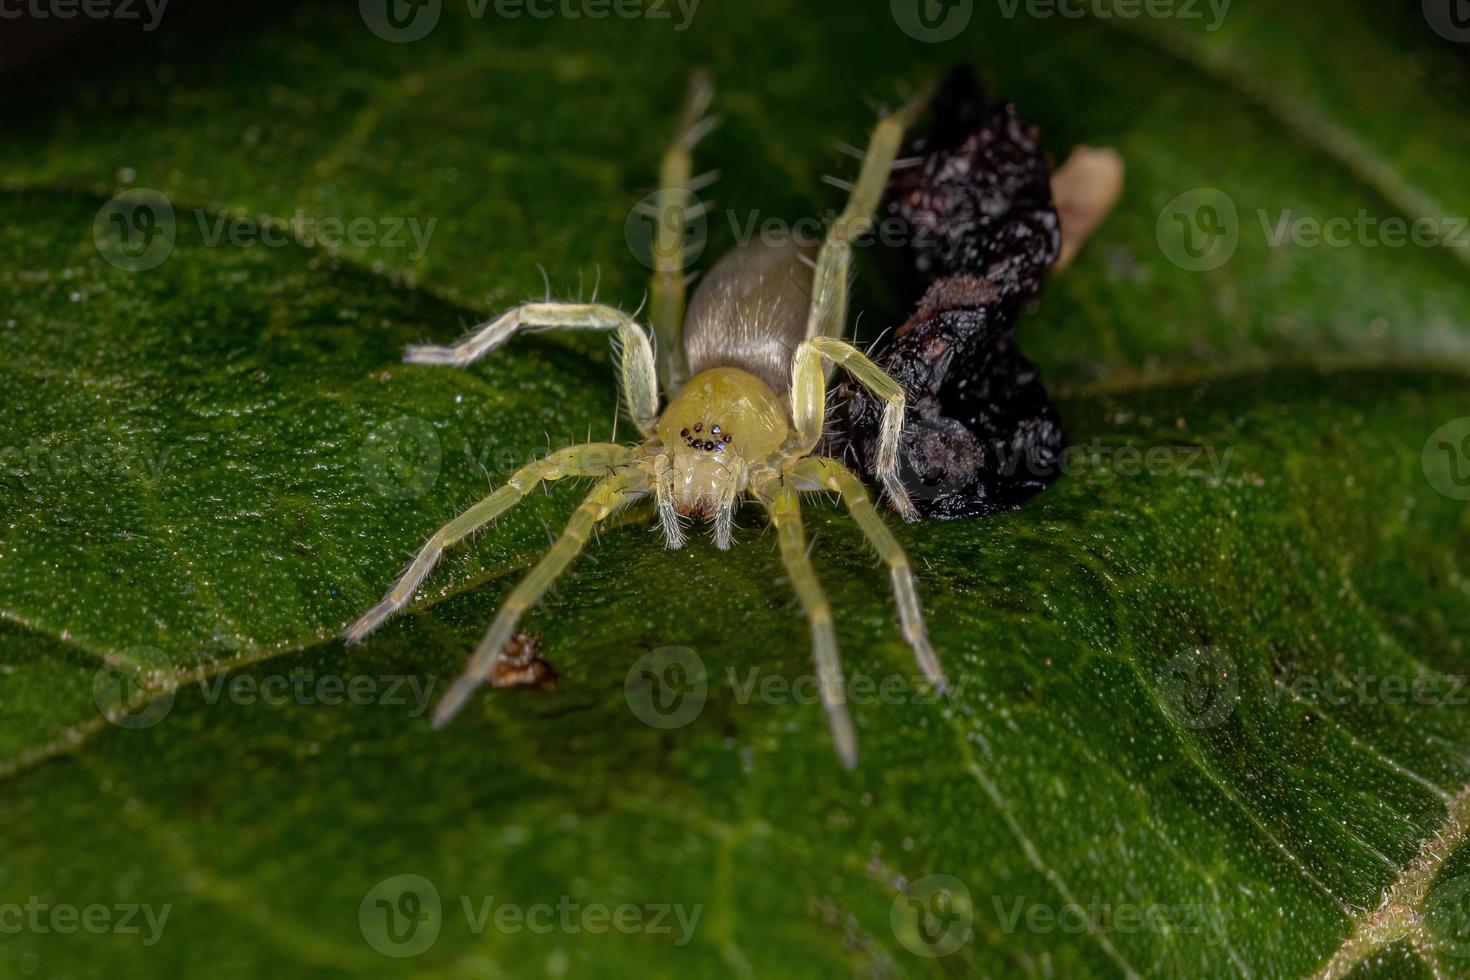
(746, 382)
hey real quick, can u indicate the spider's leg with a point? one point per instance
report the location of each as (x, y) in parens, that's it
(785, 511)
(809, 399)
(830, 474)
(671, 212)
(635, 362)
(593, 459)
(828, 315)
(605, 498)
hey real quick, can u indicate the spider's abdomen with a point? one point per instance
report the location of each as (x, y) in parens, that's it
(750, 313)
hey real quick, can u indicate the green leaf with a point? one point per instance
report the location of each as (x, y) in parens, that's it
(1208, 713)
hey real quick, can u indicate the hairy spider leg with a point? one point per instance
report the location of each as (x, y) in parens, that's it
(606, 497)
(635, 360)
(671, 213)
(830, 474)
(809, 407)
(784, 507)
(593, 459)
(828, 315)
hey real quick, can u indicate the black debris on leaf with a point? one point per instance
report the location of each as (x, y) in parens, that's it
(981, 435)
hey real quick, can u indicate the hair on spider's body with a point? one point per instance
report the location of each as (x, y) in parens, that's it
(745, 372)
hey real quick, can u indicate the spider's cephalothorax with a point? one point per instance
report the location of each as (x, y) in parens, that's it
(745, 374)
(720, 419)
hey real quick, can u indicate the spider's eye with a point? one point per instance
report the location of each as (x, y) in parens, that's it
(714, 430)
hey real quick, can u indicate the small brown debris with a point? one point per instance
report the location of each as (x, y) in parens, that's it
(520, 665)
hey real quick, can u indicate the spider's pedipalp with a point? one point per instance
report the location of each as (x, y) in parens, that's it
(724, 515)
(606, 497)
(593, 459)
(825, 473)
(663, 490)
(785, 510)
(724, 522)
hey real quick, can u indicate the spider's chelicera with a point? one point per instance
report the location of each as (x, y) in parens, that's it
(746, 373)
